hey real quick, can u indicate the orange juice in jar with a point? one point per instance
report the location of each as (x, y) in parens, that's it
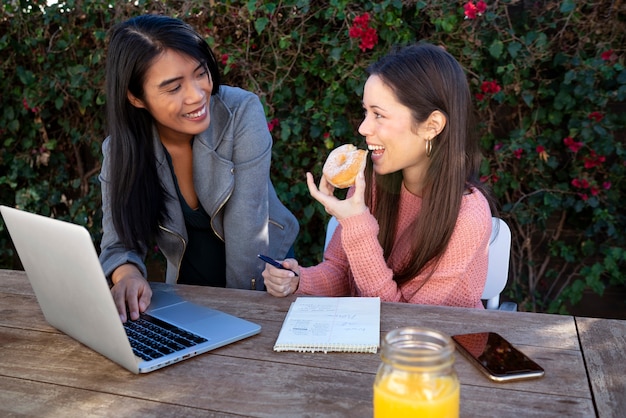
(416, 377)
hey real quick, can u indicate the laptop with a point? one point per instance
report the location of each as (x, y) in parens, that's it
(64, 271)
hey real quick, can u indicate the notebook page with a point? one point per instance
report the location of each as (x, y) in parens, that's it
(345, 324)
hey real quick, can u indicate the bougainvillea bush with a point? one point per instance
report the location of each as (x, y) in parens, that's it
(548, 79)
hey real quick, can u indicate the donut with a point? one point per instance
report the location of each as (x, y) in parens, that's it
(343, 164)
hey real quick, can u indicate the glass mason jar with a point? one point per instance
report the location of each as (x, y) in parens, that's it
(416, 377)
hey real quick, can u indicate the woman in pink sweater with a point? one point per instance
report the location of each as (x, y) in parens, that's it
(415, 227)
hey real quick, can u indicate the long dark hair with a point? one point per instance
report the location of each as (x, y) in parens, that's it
(137, 196)
(426, 78)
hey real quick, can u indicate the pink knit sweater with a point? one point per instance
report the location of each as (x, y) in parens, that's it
(354, 265)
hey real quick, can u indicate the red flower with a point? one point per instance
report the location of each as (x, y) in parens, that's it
(594, 160)
(543, 154)
(368, 39)
(490, 87)
(491, 177)
(326, 135)
(518, 153)
(362, 21)
(606, 185)
(608, 55)
(27, 106)
(360, 29)
(580, 183)
(272, 124)
(472, 10)
(224, 59)
(572, 145)
(597, 116)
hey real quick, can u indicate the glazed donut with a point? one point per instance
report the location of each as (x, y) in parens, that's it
(343, 164)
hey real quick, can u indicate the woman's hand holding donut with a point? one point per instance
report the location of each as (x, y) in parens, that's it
(280, 282)
(340, 209)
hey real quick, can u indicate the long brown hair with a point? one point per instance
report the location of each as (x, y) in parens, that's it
(426, 78)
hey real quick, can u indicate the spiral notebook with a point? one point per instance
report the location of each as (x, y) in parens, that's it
(340, 324)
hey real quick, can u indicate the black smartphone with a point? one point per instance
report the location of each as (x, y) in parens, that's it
(496, 357)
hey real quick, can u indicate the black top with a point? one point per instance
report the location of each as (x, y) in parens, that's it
(204, 261)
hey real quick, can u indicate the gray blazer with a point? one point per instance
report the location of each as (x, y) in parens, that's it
(231, 163)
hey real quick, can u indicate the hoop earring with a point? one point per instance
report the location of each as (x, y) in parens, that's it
(429, 147)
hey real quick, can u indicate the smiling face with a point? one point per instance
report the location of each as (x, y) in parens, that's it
(395, 141)
(177, 93)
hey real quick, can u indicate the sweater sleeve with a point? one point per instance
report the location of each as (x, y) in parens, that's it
(330, 277)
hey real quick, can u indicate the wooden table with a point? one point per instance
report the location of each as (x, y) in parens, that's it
(46, 373)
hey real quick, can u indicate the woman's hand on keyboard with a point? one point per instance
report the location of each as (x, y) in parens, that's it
(130, 291)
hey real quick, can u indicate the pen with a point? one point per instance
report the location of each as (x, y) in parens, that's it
(275, 263)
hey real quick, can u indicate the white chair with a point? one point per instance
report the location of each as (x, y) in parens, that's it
(498, 270)
(330, 230)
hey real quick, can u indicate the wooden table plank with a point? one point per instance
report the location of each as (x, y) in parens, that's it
(603, 344)
(25, 398)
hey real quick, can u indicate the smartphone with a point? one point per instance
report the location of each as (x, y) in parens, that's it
(496, 357)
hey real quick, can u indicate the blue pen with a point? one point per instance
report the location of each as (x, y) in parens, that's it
(275, 263)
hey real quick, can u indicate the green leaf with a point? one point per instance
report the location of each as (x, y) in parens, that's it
(567, 6)
(496, 48)
(260, 24)
(513, 48)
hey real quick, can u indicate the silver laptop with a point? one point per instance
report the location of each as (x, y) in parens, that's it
(63, 268)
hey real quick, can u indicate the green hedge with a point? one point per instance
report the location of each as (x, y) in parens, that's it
(548, 78)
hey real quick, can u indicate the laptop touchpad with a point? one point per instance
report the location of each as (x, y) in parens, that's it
(184, 314)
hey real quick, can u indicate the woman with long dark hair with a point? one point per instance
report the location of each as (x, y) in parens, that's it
(416, 225)
(186, 167)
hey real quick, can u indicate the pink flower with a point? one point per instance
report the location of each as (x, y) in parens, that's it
(498, 146)
(472, 10)
(606, 185)
(518, 153)
(572, 145)
(596, 116)
(272, 124)
(360, 29)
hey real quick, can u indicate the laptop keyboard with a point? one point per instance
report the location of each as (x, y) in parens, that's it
(152, 338)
